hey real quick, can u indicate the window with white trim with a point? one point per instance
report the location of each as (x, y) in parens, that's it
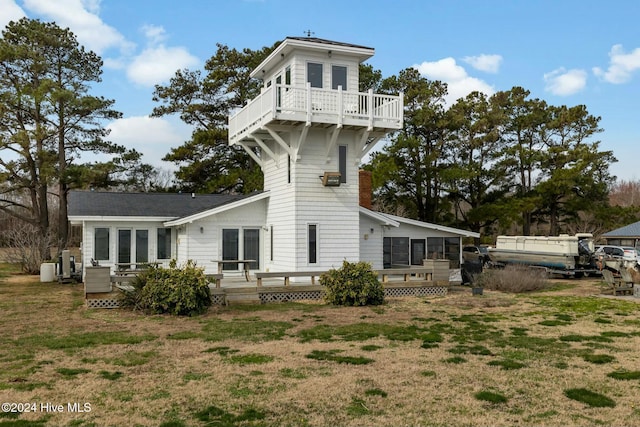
(163, 243)
(101, 244)
(342, 163)
(312, 240)
(338, 77)
(314, 74)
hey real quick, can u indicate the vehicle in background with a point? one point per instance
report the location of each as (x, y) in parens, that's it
(473, 253)
(475, 259)
(616, 257)
(564, 254)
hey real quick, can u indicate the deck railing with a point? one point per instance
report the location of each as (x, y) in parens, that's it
(308, 104)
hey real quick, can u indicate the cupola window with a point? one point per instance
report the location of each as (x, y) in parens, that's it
(338, 77)
(314, 74)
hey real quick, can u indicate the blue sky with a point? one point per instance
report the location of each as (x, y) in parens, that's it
(565, 52)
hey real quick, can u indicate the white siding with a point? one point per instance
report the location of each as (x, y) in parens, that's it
(182, 244)
(293, 206)
(371, 242)
(205, 246)
(281, 213)
(88, 239)
(299, 69)
(334, 209)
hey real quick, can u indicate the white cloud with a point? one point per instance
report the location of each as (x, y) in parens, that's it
(486, 63)
(459, 83)
(159, 64)
(152, 136)
(155, 34)
(621, 65)
(9, 11)
(445, 69)
(81, 17)
(564, 82)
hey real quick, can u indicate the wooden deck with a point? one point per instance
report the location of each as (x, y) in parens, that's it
(276, 287)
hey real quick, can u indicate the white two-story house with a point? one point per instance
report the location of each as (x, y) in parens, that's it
(309, 130)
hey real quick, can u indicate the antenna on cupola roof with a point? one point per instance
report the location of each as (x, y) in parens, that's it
(308, 33)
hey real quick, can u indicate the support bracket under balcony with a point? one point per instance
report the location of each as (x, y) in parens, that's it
(371, 143)
(265, 149)
(301, 141)
(332, 141)
(252, 154)
(277, 138)
(361, 142)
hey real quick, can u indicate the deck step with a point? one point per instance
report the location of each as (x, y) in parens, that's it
(242, 296)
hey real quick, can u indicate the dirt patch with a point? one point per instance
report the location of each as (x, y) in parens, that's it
(22, 278)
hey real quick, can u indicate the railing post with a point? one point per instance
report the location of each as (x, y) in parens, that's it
(308, 103)
(340, 106)
(370, 109)
(274, 102)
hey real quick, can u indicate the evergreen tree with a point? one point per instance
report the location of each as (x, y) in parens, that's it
(47, 119)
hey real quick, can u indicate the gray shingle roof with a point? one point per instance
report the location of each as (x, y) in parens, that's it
(329, 42)
(631, 230)
(173, 205)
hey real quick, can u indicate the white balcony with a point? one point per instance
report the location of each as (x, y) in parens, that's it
(291, 105)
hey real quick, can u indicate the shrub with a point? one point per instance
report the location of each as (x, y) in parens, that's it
(514, 279)
(179, 291)
(354, 284)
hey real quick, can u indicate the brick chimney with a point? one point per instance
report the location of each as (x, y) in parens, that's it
(366, 190)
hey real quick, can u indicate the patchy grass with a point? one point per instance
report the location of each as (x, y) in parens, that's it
(249, 359)
(111, 376)
(590, 398)
(75, 341)
(371, 347)
(332, 356)
(578, 305)
(624, 375)
(585, 338)
(491, 397)
(310, 364)
(215, 416)
(298, 374)
(507, 365)
(376, 392)
(362, 332)
(222, 351)
(248, 330)
(358, 408)
(598, 359)
(479, 350)
(455, 360)
(71, 372)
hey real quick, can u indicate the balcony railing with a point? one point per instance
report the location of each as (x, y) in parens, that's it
(307, 104)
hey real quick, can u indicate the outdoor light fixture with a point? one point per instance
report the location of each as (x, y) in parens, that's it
(331, 179)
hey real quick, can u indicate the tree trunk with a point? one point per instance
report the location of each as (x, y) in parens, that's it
(63, 188)
(553, 220)
(526, 223)
(63, 218)
(43, 222)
